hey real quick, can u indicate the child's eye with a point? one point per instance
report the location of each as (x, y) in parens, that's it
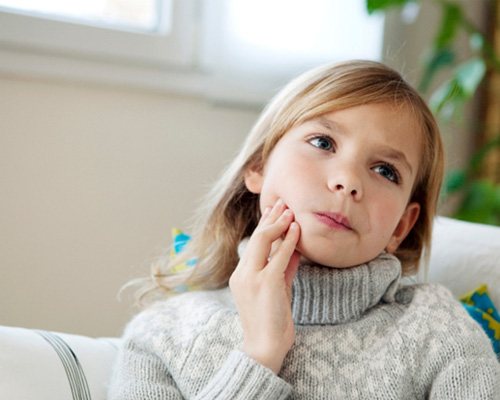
(388, 172)
(322, 142)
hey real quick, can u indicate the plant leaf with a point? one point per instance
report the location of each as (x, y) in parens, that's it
(460, 88)
(445, 98)
(452, 17)
(469, 75)
(496, 207)
(476, 41)
(454, 181)
(480, 155)
(437, 60)
(479, 203)
(378, 5)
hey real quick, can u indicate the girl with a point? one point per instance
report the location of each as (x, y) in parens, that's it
(336, 188)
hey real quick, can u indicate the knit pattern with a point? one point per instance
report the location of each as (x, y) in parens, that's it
(359, 335)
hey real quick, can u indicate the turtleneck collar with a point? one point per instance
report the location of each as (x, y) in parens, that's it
(328, 296)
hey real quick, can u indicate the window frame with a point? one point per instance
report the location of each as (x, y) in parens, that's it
(51, 35)
(66, 51)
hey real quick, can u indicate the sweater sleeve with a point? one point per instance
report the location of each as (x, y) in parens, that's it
(186, 347)
(139, 375)
(243, 378)
(471, 379)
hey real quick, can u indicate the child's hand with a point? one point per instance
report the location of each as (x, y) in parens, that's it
(262, 287)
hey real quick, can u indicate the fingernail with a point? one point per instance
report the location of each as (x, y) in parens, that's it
(288, 213)
(279, 202)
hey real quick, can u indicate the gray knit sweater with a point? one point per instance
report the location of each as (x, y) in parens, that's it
(359, 335)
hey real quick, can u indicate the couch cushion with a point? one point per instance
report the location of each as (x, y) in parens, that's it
(464, 256)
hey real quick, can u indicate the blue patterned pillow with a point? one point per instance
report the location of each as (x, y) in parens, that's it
(179, 241)
(480, 307)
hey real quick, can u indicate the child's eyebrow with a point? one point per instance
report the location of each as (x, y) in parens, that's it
(327, 123)
(396, 155)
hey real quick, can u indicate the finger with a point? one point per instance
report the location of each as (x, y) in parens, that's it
(266, 212)
(275, 231)
(281, 258)
(260, 244)
(292, 268)
(276, 210)
(275, 246)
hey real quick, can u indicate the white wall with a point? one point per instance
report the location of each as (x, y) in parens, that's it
(92, 181)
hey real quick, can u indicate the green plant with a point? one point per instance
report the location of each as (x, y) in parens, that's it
(480, 197)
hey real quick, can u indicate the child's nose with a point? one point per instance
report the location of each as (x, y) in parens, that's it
(347, 184)
(353, 191)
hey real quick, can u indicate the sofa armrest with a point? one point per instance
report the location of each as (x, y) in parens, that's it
(37, 364)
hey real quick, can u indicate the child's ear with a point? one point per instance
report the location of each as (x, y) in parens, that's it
(253, 180)
(404, 227)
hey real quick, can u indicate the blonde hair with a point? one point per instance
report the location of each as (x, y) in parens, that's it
(230, 212)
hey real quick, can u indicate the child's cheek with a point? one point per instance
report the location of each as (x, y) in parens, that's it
(267, 198)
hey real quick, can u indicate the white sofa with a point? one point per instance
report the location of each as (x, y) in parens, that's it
(57, 366)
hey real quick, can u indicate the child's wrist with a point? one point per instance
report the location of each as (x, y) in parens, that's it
(269, 359)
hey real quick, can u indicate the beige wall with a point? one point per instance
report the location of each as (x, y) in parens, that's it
(92, 181)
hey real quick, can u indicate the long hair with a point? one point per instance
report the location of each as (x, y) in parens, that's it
(229, 212)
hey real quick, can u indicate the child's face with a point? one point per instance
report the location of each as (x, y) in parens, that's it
(347, 177)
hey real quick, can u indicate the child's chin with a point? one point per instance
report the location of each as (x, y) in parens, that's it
(309, 256)
(336, 251)
(318, 249)
(326, 261)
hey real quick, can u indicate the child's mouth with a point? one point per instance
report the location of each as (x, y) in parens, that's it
(333, 220)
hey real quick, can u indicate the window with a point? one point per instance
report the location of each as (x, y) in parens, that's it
(53, 35)
(140, 15)
(258, 45)
(235, 50)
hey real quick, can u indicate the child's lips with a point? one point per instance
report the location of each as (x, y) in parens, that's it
(334, 220)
